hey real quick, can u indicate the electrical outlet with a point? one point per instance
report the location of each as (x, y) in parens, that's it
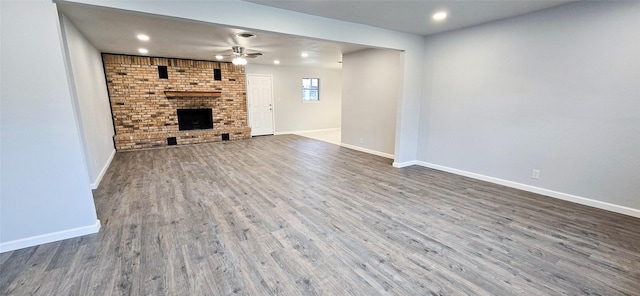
(361, 141)
(535, 174)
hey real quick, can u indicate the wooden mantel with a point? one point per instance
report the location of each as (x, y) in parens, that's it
(175, 94)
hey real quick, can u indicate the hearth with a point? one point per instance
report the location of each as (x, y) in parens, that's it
(195, 119)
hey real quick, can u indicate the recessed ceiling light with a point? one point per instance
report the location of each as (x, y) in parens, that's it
(276, 62)
(219, 57)
(143, 37)
(304, 54)
(246, 35)
(142, 50)
(438, 16)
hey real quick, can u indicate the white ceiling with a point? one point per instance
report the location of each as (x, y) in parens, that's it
(414, 16)
(114, 31)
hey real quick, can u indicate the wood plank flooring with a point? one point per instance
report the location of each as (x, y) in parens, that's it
(288, 215)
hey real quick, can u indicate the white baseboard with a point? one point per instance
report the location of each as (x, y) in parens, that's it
(307, 131)
(97, 181)
(404, 164)
(365, 150)
(555, 194)
(49, 237)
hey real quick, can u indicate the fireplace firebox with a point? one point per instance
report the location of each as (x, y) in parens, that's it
(194, 119)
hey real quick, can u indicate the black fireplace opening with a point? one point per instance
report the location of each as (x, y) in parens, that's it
(194, 119)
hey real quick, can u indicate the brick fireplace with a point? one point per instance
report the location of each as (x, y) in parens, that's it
(147, 92)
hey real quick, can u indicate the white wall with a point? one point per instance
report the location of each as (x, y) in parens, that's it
(370, 94)
(235, 13)
(291, 114)
(89, 92)
(44, 193)
(557, 90)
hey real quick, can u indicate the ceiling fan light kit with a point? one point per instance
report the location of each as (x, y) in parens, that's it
(239, 61)
(239, 56)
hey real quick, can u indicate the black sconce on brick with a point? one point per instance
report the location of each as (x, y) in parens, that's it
(163, 73)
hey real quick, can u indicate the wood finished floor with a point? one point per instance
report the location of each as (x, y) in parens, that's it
(288, 215)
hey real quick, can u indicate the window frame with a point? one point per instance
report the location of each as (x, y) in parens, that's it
(310, 89)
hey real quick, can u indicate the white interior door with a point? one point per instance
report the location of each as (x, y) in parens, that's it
(260, 97)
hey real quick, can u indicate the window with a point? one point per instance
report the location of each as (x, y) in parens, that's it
(310, 89)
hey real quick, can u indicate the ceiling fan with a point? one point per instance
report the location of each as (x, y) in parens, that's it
(239, 56)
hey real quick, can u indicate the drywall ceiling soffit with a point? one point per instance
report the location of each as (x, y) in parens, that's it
(413, 16)
(114, 31)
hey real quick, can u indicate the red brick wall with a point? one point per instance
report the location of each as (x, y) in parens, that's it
(144, 117)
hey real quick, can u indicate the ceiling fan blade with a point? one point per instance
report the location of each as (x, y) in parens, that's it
(238, 51)
(253, 55)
